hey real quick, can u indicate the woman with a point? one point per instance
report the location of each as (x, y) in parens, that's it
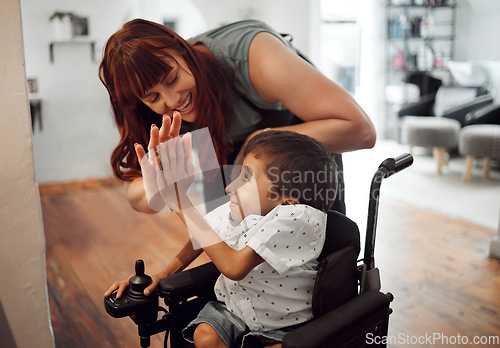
(236, 80)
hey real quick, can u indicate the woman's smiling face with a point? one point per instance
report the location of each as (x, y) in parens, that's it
(175, 92)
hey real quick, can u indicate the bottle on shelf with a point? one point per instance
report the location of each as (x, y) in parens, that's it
(394, 27)
(438, 60)
(430, 24)
(416, 24)
(405, 25)
(425, 58)
(399, 61)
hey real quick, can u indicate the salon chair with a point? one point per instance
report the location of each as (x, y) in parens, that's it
(348, 307)
(489, 114)
(427, 84)
(453, 102)
(476, 83)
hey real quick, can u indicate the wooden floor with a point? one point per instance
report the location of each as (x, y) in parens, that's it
(437, 268)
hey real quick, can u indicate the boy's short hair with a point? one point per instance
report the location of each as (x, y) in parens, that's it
(298, 166)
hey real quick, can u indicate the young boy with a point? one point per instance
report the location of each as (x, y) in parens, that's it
(265, 241)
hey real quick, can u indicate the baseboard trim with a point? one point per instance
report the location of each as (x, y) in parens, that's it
(51, 188)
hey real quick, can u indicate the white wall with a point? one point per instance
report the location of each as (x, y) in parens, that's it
(78, 132)
(477, 31)
(286, 16)
(24, 311)
(372, 61)
(188, 17)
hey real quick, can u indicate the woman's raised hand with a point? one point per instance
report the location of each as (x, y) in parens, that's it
(170, 128)
(169, 166)
(149, 166)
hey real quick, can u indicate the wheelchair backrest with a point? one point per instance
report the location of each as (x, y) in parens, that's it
(337, 281)
(340, 233)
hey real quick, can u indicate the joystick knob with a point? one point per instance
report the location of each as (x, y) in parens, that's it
(142, 309)
(139, 281)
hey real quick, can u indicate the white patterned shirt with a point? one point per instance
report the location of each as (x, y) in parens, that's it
(278, 292)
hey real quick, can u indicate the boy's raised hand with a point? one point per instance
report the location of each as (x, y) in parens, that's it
(176, 160)
(169, 166)
(177, 169)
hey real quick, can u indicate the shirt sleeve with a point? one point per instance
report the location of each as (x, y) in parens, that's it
(218, 219)
(291, 237)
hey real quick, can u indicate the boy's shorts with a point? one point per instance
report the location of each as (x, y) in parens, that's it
(231, 329)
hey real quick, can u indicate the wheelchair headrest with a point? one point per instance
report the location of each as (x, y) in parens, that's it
(340, 232)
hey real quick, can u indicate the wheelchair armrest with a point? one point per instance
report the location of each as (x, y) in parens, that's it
(423, 107)
(460, 111)
(191, 282)
(489, 114)
(341, 323)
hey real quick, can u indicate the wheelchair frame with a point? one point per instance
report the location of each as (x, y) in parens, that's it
(345, 326)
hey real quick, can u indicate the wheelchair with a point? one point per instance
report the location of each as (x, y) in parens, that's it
(348, 306)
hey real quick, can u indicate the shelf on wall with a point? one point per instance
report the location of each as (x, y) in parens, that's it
(419, 41)
(428, 71)
(421, 6)
(73, 42)
(429, 38)
(405, 34)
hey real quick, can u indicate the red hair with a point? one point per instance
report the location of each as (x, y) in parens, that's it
(135, 60)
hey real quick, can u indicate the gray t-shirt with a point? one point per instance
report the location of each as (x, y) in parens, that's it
(229, 45)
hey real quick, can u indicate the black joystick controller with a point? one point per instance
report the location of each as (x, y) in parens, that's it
(138, 282)
(141, 308)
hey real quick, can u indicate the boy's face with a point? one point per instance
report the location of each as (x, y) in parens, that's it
(250, 191)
